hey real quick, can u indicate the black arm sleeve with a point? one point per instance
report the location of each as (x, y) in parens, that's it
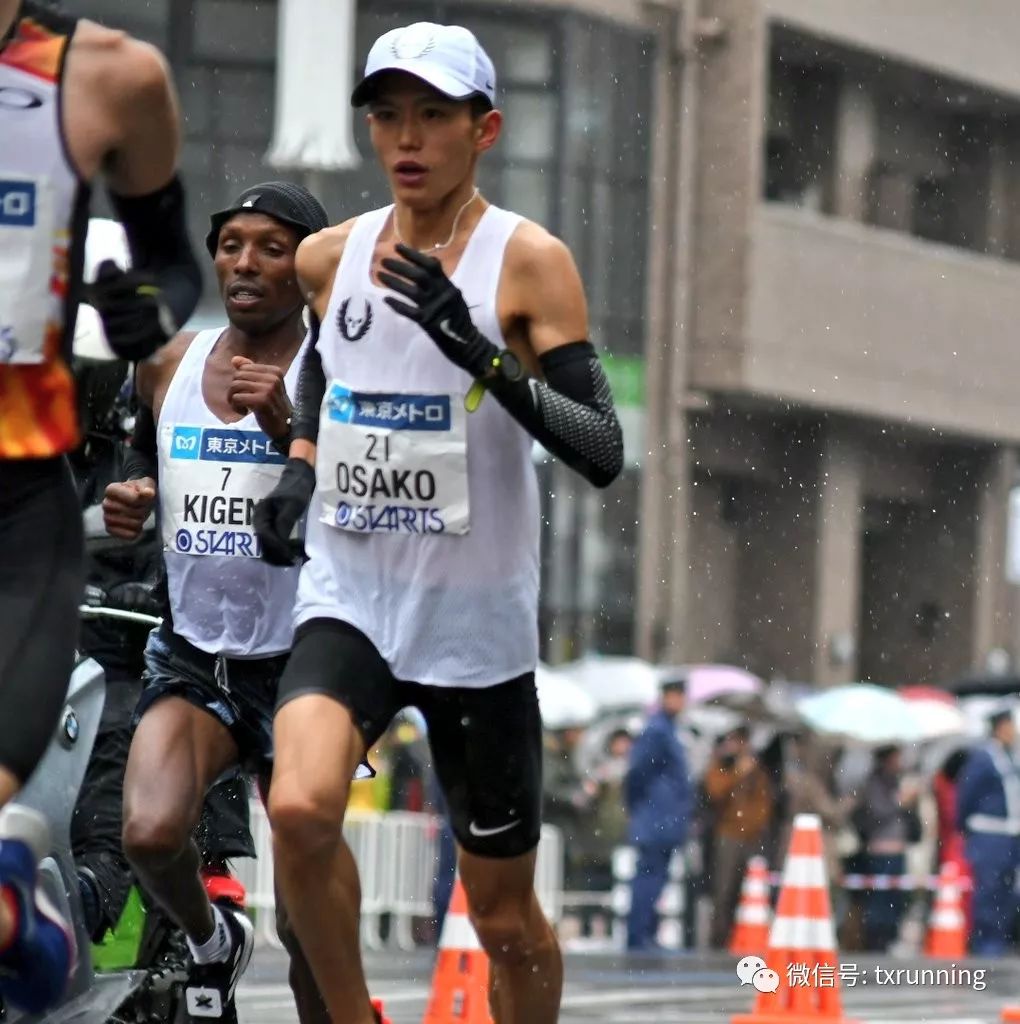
(157, 233)
(571, 414)
(311, 387)
(140, 456)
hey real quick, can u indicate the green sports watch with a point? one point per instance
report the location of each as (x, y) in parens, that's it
(504, 366)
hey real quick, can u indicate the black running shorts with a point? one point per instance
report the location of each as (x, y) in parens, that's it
(239, 692)
(41, 584)
(486, 741)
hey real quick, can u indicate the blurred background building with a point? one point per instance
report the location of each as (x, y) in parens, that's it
(798, 223)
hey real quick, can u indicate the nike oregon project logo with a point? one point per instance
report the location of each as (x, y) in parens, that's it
(353, 327)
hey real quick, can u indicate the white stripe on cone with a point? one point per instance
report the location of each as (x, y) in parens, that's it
(754, 887)
(948, 918)
(802, 933)
(805, 872)
(458, 933)
(753, 915)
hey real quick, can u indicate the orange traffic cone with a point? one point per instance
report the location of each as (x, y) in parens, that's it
(800, 982)
(377, 1005)
(1011, 1014)
(947, 928)
(754, 914)
(460, 984)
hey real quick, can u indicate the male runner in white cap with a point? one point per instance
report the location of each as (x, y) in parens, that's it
(453, 334)
(77, 102)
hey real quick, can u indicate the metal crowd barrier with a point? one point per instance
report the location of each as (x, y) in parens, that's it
(396, 854)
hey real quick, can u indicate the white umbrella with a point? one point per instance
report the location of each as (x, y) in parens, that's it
(936, 719)
(861, 712)
(562, 702)
(615, 682)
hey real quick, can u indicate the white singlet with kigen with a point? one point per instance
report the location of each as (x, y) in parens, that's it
(424, 529)
(223, 597)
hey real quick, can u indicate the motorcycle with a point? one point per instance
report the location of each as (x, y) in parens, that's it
(149, 993)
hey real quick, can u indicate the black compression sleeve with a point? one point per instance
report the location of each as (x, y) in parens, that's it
(311, 388)
(571, 413)
(140, 456)
(157, 233)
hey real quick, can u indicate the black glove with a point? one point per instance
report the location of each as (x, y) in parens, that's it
(439, 310)
(128, 302)
(276, 515)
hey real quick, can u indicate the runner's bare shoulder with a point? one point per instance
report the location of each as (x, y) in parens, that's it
(121, 111)
(541, 286)
(318, 256)
(534, 252)
(121, 68)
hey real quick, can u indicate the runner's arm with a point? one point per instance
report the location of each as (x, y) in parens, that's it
(146, 192)
(140, 455)
(317, 259)
(571, 411)
(310, 390)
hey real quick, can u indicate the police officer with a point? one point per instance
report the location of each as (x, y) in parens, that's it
(988, 814)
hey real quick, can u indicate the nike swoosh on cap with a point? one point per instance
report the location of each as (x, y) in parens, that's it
(482, 833)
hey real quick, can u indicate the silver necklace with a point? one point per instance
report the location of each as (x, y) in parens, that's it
(453, 230)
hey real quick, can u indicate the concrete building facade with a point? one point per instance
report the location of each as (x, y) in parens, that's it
(846, 367)
(798, 221)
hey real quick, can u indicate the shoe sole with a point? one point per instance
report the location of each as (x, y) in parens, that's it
(246, 950)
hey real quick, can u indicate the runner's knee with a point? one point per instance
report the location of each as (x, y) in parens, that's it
(504, 934)
(303, 820)
(153, 839)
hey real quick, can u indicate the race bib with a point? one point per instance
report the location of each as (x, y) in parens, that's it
(211, 479)
(393, 463)
(26, 267)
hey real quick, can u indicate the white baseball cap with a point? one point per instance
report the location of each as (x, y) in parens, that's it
(447, 57)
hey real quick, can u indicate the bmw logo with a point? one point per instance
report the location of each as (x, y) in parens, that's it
(72, 727)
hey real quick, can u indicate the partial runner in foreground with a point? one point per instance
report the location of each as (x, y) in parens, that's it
(87, 103)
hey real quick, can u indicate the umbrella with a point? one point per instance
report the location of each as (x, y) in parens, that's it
(977, 686)
(562, 702)
(936, 713)
(976, 711)
(706, 682)
(614, 682)
(926, 693)
(861, 712)
(772, 707)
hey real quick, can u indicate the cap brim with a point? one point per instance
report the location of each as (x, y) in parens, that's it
(217, 220)
(451, 87)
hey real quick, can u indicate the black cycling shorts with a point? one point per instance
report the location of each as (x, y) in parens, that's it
(41, 584)
(486, 741)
